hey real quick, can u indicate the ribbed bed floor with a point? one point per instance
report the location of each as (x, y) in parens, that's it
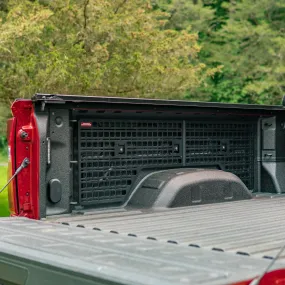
(254, 227)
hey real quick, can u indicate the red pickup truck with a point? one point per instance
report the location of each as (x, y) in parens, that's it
(139, 191)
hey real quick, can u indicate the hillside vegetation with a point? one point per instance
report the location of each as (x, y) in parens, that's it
(205, 50)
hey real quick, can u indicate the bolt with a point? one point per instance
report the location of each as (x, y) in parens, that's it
(23, 135)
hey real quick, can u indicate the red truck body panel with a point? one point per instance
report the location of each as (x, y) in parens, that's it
(24, 200)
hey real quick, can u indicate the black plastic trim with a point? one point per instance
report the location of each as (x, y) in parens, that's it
(56, 98)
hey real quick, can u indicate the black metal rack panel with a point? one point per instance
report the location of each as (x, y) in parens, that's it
(113, 151)
(231, 145)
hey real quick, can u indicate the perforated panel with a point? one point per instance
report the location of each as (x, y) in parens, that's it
(228, 144)
(111, 153)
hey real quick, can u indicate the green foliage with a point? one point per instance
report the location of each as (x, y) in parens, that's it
(3, 149)
(116, 48)
(204, 18)
(4, 207)
(3, 156)
(3, 142)
(20, 32)
(4, 114)
(252, 50)
(246, 37)
(187, 15)
(210, 50)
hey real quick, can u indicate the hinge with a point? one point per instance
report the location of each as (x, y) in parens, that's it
(45, 99)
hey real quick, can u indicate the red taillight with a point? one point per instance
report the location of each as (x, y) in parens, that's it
(12, 189)
(276, 277)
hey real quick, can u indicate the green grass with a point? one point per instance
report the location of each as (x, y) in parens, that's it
(4, 208)
(3, 157)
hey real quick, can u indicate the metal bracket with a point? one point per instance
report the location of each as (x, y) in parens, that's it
(45, 99)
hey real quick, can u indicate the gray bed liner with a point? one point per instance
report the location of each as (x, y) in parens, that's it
(254, 227)
(37, 252)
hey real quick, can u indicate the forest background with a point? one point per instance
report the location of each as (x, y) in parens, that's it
(199, 50)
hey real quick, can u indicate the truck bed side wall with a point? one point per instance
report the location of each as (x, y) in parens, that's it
(91, 153)
(55, 159)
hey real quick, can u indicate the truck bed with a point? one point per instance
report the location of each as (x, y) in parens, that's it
(255, 227)
(33, 250)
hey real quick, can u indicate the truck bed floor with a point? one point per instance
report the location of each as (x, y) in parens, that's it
(33, 250)
(255, 227)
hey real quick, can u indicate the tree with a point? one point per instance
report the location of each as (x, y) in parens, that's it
(211, 50)
(20, 32)
(251, 46)
(96, 48)
(246, 37)
(203, 18)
